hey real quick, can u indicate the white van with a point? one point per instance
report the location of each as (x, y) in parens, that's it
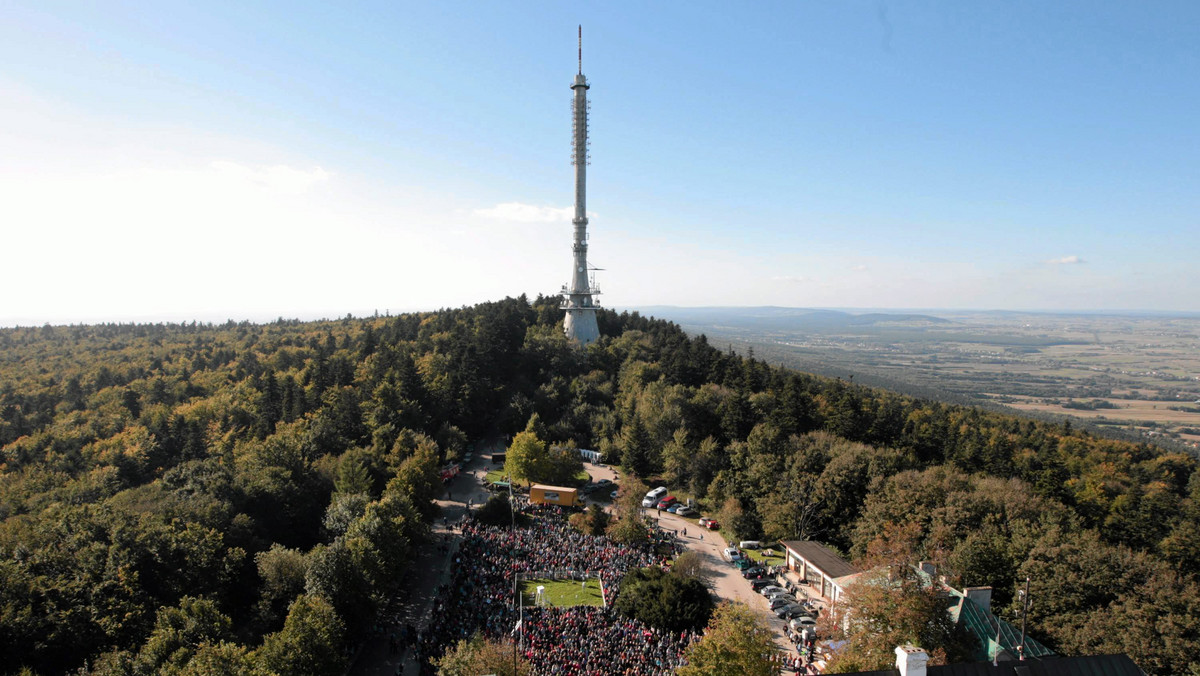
(654, 496)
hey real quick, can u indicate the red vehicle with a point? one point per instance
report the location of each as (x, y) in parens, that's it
(708, 523)
(449, 471)
(667, 502)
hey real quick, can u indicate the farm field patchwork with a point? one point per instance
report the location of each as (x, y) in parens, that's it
(1139, 373)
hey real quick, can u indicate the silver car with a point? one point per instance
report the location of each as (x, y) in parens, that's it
(781, 601)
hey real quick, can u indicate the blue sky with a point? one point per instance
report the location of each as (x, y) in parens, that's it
(252, 160)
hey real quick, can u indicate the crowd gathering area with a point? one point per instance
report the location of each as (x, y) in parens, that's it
(585, 640)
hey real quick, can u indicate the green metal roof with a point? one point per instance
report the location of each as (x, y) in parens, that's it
(984, 626)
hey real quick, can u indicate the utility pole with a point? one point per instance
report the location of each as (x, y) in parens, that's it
(512, 512)
(1024, 611)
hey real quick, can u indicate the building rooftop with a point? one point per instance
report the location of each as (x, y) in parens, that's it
(822, 557)
(1093, 665)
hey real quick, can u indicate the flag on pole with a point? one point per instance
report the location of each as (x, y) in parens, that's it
(516, 628)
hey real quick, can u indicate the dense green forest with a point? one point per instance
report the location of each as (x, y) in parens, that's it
(240, 498)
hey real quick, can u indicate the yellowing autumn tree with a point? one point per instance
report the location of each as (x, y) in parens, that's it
(735, 643)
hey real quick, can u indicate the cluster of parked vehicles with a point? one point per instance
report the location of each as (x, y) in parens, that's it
(799, 613)
(786, 606)
(602, 486)
(659, 498)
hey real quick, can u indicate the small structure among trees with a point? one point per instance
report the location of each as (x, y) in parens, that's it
(820, 565)
(889, 605)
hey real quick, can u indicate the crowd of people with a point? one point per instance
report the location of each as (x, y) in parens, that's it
(591, 641)
(580, 640)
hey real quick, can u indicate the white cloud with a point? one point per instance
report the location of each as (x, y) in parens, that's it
(526, 213)
(792, 279)
(519, 212)
(859, 268)
(281, 178)
(1066, 260)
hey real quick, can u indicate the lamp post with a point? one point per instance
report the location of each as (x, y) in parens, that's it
(512, 512)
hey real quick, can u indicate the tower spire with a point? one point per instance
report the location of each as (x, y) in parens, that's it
(581, 49)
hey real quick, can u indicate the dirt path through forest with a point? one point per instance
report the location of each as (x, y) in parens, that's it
(430, 570)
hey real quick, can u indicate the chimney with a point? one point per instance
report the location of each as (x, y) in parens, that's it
(911, 661)
(982, 596)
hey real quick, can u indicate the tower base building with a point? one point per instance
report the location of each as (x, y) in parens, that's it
(580, 325)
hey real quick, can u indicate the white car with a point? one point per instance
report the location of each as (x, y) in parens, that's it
(804, 622)
(731, 554)
(768, 591)
(750, 544)
(653, 497)
(686, 511)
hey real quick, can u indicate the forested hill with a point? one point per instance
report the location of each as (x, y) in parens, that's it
(192, 498)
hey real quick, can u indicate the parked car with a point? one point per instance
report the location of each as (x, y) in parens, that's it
(753, 571)
(781, 601)
(803, 622)
(674, 509)
(601, 485)
(731, 554)
(776, 594)
(667, 502)
(750, 544)
(708, 523)
(791, 611)
(684, 510)
(757, 585)
(773, 589)
(652, 498)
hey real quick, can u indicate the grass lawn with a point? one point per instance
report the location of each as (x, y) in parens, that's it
(564, 593)
(759, 555)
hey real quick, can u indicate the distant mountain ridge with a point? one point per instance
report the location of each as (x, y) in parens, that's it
(773, 317)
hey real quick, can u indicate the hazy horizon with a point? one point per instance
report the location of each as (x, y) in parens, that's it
(218, 318)
(174, 162)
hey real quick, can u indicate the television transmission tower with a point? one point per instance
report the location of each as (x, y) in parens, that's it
(578, 296)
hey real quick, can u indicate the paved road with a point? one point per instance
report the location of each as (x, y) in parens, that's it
(727, 581)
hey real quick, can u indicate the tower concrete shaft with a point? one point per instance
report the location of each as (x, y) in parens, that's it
(580, 322)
